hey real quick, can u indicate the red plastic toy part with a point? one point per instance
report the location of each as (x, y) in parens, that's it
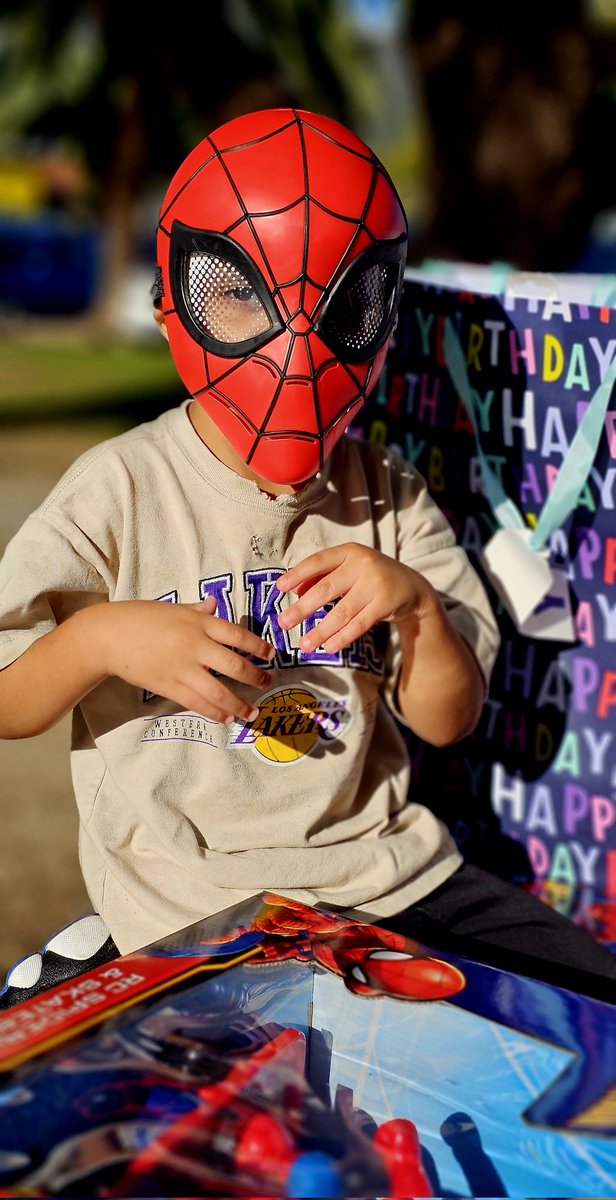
(399, 1144)
(265, 1145)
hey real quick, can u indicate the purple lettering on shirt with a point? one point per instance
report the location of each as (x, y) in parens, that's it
(265, 606)
(220, 588)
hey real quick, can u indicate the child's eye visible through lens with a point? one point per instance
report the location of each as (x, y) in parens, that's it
(245, 294)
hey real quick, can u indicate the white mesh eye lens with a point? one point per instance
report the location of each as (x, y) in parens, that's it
(221, 300)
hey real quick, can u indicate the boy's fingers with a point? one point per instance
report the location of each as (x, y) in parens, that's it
(222, 699)
(208, 604)
(339, 628)
(321, 632)
(225, 662)
(226, 633)
(203, 695)
(351, 632)
(223, 716)
(320, 563)
(328, 589)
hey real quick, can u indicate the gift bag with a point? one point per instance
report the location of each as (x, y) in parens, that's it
(500, 390)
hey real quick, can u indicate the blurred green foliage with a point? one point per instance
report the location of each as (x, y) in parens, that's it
(63, 378)
(81, 71)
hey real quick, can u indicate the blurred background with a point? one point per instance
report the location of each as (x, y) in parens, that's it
(497, 123)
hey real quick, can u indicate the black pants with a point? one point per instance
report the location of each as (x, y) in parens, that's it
(482, 917)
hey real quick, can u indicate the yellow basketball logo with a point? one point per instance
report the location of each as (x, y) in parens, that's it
(290, 723)
(286, 727)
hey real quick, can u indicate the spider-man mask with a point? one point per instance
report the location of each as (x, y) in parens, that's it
(281, 244)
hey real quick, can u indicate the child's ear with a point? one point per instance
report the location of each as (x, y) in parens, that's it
(159, 317)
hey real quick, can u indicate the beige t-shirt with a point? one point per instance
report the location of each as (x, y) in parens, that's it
(180, 816)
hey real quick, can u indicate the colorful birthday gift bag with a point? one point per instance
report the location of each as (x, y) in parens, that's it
(503, 397)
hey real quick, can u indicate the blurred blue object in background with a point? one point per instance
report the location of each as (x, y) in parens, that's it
(48, 265)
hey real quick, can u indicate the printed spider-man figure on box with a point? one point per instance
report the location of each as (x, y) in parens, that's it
(281, 249)
(370, 960)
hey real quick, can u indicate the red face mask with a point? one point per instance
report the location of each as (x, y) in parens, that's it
(281, 245)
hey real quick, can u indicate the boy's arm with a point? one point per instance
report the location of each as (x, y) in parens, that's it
(48, 679)
(440, 689)
(124, 639)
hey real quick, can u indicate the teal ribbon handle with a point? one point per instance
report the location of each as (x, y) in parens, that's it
(574, 469)
(504, 509)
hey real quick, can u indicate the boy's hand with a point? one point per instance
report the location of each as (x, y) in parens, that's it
(440, 688)
(368, 586)
(172, 649)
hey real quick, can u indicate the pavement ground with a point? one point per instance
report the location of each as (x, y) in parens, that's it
(41, 888)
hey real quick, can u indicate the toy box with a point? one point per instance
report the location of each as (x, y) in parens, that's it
(279, 1050)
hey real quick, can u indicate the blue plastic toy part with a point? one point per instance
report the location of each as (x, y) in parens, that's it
(314, 1174)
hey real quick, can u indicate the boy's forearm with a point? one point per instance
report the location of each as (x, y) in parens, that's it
(51, 676)
(441, 689)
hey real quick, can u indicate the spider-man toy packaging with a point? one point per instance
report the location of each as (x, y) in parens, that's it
(281, 1050)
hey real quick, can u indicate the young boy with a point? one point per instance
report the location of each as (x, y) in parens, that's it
(227, 737)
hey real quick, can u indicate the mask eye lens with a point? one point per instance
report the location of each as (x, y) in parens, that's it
(222, 302)
(359, 316)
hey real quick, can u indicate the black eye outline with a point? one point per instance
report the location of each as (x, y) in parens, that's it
(379, 254)
(185, 241)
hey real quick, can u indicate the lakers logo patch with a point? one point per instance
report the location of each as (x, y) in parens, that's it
(291, 722)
